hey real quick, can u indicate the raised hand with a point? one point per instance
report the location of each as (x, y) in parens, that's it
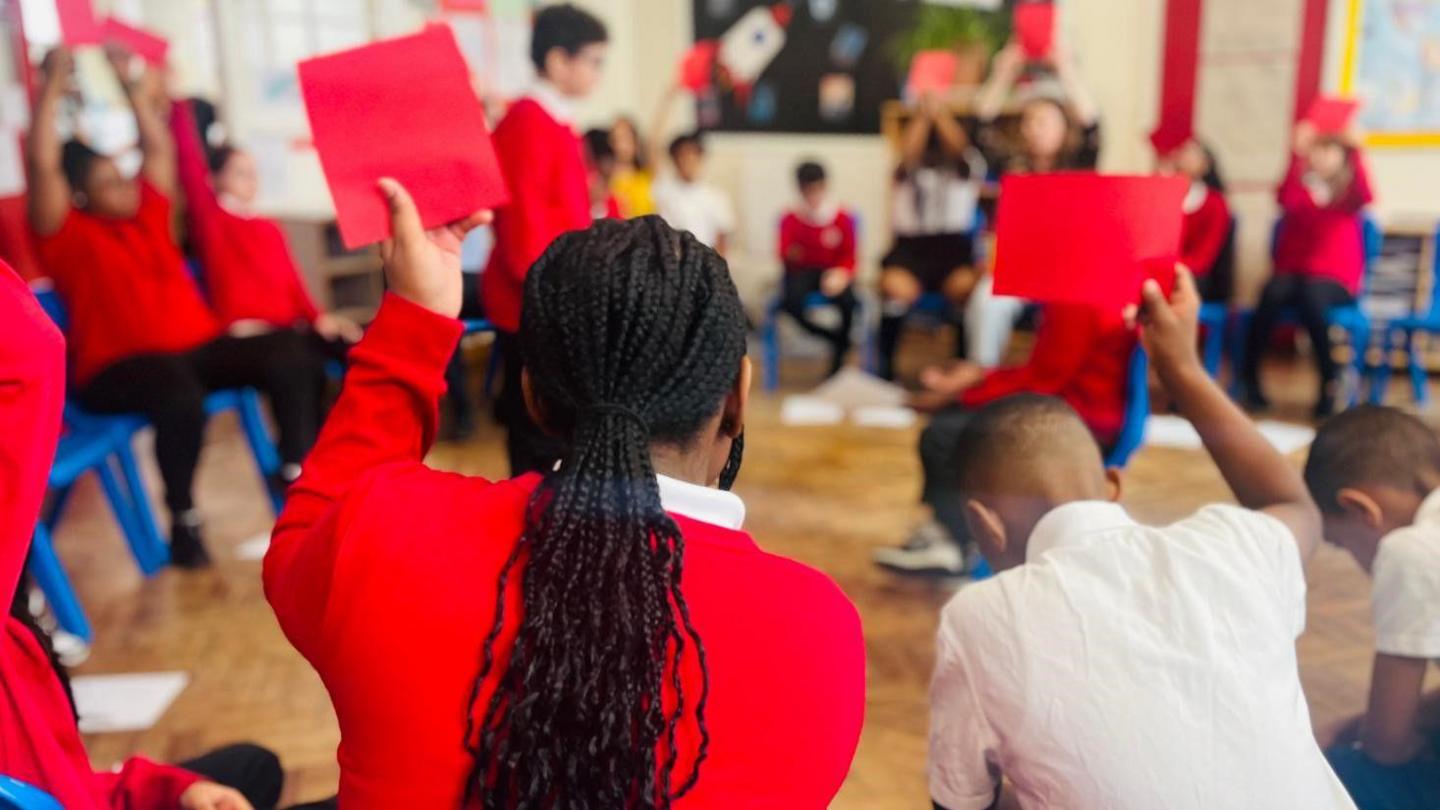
(1169, 330)
(424, 265)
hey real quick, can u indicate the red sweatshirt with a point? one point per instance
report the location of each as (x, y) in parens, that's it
(1323, 241)
(125, 287)
(1204, 233)
(806, 245)
(544, 166)
(392, 604)
(248, 267)
(1081, 355)
(39, 741)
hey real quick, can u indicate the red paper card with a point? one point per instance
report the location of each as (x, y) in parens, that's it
(1084, 238)
(144, 44)
(479, 6)
(1169, 137)
(78, 25)
(1332, 116)
(1035, 28)
(401, 108)
(697, 67)
(931, 72)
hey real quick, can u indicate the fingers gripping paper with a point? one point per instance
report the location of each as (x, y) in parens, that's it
(1083, 238)
(402, 108)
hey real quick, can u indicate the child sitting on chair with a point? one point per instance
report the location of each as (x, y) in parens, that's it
(1117, 665)
(1375, 474)
(817, 247)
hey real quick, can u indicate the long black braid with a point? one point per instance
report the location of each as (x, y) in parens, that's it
(633, 334)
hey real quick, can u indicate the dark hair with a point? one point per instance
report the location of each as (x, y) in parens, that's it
(1008, 433)
(597, 144)
(77, 159)
(566, 27)
(1369, 444)
(681, 141)
(1212, 177)
(632, 334)
(809, 173)
(642, 150)
(220, 155)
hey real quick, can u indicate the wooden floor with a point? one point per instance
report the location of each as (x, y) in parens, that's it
(827, 496)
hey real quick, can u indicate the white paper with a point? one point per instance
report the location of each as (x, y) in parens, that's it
(802, 410)
(129, 702)
(1173, 431)
(12, 164)
(253, 548)
(853, 388)
(884, 416)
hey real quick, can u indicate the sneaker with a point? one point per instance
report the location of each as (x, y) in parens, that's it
(929, 552)
(187, 550)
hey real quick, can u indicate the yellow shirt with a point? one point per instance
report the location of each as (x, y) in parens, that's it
(631, 188)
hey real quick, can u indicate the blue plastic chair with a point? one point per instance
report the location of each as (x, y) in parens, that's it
(1350, 318)
(1427, 322)
(480, 326)
(1215, 321)
(16, 795)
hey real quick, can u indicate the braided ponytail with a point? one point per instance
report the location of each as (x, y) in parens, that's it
(633, 334)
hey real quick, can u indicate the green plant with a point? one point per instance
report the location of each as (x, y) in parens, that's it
(946, 27)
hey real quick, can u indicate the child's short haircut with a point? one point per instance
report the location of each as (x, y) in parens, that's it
(597, 143)
(565, 27)
(1007, 446)
(809, 173)
(1369, 445)
(688, 139)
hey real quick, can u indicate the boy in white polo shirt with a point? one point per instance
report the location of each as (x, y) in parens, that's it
(1375, 474)
(1122, 666)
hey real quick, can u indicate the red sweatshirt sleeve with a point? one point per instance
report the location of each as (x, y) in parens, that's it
(143, 784)
(32, 392)
(545, 171)
(1292, 194)
(192, 166)
(786, 245)
(847, 243)
(1359, 194)
(1065, 337)
(386, 415)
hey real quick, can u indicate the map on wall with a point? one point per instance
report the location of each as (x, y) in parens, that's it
(1392, 62)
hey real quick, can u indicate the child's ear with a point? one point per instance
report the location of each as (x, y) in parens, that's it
(987, 528)
(1113, 487)
(1360, 506)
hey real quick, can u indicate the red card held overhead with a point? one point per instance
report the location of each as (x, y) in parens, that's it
(697, 66)
(149, 46)
(1084, 238)
(931, 72)
(1034, 24)
(78, 25)
(1168, 138)
(1332, 116)
(400, 108)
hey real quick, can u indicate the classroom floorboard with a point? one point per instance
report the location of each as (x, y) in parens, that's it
(826, 496)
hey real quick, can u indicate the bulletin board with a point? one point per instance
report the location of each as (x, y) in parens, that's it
(832, 74)
(1392, 62)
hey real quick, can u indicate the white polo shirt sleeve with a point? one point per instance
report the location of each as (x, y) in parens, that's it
(722, 213)
(1259, 545)
(1405, 595)
(961, 740)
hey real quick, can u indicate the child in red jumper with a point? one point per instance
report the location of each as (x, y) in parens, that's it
(817, 247)
(544, 166)
(1206, 241)
(1319, 254)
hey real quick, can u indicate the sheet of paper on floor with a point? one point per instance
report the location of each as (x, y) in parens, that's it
(1165, 430)
(799, 410)
(853, 388)
(127, 702)
(884, 416)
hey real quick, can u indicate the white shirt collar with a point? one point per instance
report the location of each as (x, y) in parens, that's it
(820, 217)
(560, 107)
(1195, 197)
(1429, 512)
(714, 506)
(1074, 523)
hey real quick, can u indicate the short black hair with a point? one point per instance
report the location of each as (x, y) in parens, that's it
(566, 27)
(221, 155)
(76, 159)
(1005, 438)
(1369, 444)
(597, 144)
(687, 139)
(809, 173)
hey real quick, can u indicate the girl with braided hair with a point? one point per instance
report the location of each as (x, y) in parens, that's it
(600, 635)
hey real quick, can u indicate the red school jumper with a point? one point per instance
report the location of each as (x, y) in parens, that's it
(248, 268)
(808, 245)
(544, 166)
(1204, 233)
(1323, 240)
(125, 287)
(1081, 355)
(39, 740)
(383, 572)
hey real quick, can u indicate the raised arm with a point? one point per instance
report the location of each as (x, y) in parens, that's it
(192, 169)
(50, 192)
(1082, 104)
(914, 138)
(1005, 69)
(1260, 477)
(952, 136)
(150, 104)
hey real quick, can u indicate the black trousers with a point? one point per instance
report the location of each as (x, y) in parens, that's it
(1312, 298)
(170, 390)
(941, 490)
(248, 768)
(530, 449)
(457, 375)
(798, 285)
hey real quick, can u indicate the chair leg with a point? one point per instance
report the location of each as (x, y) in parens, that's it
(262, 447)
(1419, 383)
(50, 575)
(1214, 348)
(149, 544)
(492, 370)
(61, 497)
(770, 349)
(1360, 340)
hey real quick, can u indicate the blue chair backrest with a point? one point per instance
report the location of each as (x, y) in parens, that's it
(53, 306)
(1137, 410)
(16, 795)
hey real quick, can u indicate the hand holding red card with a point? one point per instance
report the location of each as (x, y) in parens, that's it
(401, 108)
(1034, 24)
(144, 44)
(931, 72)
(1332, 116)
(78, 25)
(1084, 238)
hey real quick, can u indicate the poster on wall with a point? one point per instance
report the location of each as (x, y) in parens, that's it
(1392, 63)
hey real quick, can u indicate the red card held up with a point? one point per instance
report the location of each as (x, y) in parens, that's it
(1084, 238)
(401, 108)
(931, 72)
(1034, 24)
(1330, 115)
(147, 45)
(697, 67)
(78, 25)
(1167, 138)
